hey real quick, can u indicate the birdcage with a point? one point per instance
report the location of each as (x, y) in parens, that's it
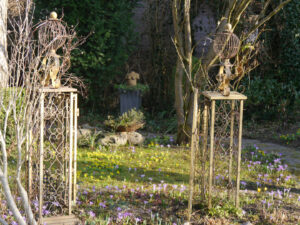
(52, 35)
(226, 44)
(52, 32)
(52, 158)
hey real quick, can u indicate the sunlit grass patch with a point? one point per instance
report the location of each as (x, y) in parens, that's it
(133, 166)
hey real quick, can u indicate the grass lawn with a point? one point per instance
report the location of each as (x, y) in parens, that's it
(149, 185)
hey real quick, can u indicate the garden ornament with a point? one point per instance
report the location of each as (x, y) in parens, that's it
(52, 36)
(226, 46)
(51, 65)
(131, 78)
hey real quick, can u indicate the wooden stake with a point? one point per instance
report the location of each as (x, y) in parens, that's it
(239, 154)
(211, 157)
(193, 151)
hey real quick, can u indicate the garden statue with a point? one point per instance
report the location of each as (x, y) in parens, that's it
(52, 35)
(50, 65)
(226, 46)
(131, 78)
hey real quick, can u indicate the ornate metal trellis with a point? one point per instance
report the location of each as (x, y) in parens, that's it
(221, 138)
(52, 159)
(220, 132)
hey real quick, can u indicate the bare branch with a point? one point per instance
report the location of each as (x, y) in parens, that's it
(267, 18)
(3, 222)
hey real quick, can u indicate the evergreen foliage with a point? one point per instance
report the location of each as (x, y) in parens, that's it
(275, 89)
(101, 59)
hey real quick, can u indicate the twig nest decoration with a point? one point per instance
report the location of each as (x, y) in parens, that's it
(52, 35)
(132, 78)
(226, 44)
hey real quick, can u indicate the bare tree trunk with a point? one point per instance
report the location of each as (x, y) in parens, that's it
(179, 102)
(10, 201)
(23, 192)
(3, 44)
(4, 83)
(183, 95)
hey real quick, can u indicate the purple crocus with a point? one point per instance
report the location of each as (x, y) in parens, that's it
(102, 204)
(92, 214)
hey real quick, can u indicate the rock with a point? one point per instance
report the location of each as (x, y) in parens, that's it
(86, 126)
(247, 223)
(87, 130)
(84, 132)
(89, 127)
(135, 138)
(117, 139)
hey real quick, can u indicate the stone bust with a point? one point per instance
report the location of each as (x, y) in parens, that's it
(132, 78)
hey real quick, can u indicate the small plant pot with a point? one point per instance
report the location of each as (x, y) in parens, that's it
(130, 128)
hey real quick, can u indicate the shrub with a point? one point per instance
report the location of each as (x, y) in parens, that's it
(10, 132)
(128, 119)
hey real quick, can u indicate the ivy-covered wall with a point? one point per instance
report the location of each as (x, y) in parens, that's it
(102, 58)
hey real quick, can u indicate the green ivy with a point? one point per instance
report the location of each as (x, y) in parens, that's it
(139, 87)
(102, 57)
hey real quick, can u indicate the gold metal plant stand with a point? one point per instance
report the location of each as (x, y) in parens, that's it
(53, 159)
(210, 105)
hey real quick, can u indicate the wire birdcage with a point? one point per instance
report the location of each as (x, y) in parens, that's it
(52, 35)
(226, 45)
(52, 32)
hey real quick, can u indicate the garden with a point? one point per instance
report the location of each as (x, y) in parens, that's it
(149, 112)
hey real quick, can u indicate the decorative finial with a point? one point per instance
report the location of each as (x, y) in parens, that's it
(53, 15)
(228, 27)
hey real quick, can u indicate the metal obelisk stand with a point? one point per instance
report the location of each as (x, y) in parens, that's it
(210, 105)
(52, 162)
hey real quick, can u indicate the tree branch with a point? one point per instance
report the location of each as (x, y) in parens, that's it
(274, 12)
(3, 222)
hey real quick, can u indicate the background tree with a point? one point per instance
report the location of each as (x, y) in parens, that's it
(3, 43)
(17, 102)
(203, 77)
